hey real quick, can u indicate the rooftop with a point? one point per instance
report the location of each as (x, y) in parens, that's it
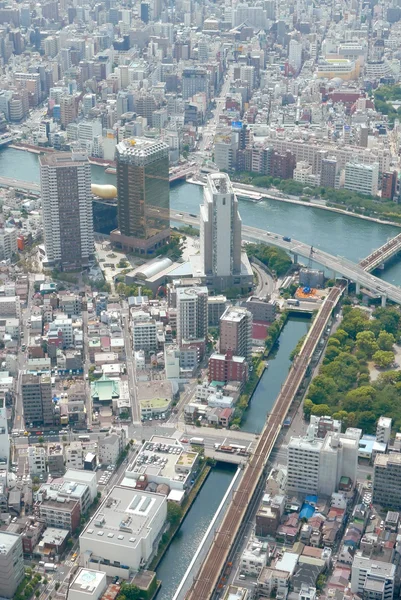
(124, 518)
(88, 580)
(7, 541)
(63, 159)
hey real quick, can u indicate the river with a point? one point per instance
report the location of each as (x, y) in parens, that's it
(336, 233)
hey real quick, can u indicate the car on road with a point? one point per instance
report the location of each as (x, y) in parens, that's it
(184, 441)
(74, 556)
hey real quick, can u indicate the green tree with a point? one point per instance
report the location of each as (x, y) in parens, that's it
(359, 399)
(174, 513)
(308, 405)
(41, 439)
(131, 592)
(383, 359)
(321, 410)
(385, 341)
(366, 341)
(321, 389)
(389, 319)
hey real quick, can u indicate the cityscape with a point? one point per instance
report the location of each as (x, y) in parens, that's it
(200, 300)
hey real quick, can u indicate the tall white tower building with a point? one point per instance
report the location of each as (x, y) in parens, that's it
(295, 55)
(220, 230)
(67, 209)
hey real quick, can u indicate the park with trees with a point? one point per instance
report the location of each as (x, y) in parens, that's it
(344, 388)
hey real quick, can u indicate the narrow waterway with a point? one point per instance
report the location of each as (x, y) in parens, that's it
(185, 543)
(274, 376)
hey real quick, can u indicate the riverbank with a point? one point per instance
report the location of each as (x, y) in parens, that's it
(163, 547)
(266, 195)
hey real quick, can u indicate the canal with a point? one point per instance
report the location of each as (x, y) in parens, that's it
(185, 543)
(273, 377)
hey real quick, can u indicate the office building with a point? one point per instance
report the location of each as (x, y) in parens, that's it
(11, 563)
(121, 536)
(383, 430)
(143, 195)
(372, 579)
(387, 480)
(67, 209)
(144, 332)
(8, 242)
(363, 179)
(220, 231)
(37, 399)
(87, 585)
(192, 320)
(4, 437)
(236, 331)
(316, 466)
(295, 55)
(194, 80)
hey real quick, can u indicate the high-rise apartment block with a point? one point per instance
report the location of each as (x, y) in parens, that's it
(389, 184)
(67, 209)
(236, 331)
(143, 195)
(315, 466)
(192, 319)
(387, 480)
(220, 230)
(37, 399)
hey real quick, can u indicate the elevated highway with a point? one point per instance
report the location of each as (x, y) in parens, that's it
(337, 264)
(210, 572)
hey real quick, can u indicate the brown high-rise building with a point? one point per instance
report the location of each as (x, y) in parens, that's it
(37, 399)
(389, 182)
(236, 331)
(143, 195)
(282, 165)
(67, 209)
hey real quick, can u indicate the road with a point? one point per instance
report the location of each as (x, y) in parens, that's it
(22, 357)
(131, 370)
(207, 579)
(89, 406)
(339, 265)
(209, 129)
(265, 285)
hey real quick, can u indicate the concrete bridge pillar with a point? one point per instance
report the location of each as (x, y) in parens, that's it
(295, 258)
(384, 298)
(358, 287)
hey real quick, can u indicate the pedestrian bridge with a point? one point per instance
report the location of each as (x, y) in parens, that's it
(382, 254)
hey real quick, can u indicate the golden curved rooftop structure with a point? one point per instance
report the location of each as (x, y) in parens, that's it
(108, 192)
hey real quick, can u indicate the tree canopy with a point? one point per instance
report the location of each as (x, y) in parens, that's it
(343, 387)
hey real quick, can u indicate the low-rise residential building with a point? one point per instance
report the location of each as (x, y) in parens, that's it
(253, 558)
(63, 512)
(36, 460)
(111, 446)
